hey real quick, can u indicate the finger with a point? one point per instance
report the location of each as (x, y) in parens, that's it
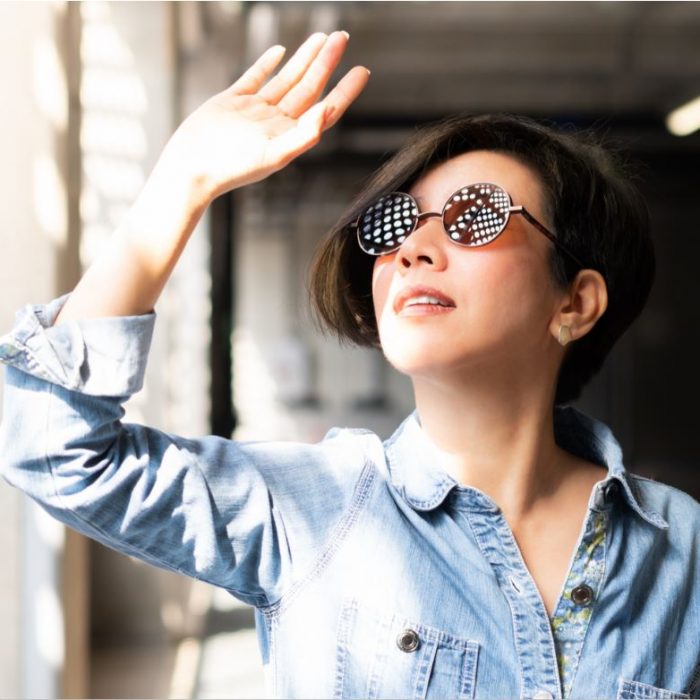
(318, 118)
(294, 69)
(308, 89)
(344, 94)
(260, 71)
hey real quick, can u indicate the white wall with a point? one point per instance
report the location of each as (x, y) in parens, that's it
(128, 103)
(32, 237)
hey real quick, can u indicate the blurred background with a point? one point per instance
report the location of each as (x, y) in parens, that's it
(92, 92)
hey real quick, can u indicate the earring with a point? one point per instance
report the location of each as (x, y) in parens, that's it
(564, 335)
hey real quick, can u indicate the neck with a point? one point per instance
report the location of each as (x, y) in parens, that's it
(497, 433)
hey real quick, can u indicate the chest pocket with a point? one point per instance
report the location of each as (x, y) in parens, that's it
(381, 655)
(633, 690)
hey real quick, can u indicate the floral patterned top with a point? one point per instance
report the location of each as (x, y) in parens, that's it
(573, 612)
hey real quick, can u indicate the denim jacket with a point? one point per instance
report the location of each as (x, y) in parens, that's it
(373, 573)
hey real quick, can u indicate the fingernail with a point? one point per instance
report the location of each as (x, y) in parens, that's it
(347, 36)
(369, 72)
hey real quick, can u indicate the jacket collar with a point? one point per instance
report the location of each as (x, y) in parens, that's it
(415, 465)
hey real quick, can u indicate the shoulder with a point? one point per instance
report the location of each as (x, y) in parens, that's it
(339, 447)
(334, 463)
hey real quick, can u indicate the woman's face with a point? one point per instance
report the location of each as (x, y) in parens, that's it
(502, 296)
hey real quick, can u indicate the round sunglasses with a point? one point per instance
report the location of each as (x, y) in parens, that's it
(473, 216)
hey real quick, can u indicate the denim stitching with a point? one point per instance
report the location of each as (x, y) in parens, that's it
(400, 483)
(437, 498)
(469, 666)
(651, 514)
(639, 477)
(348, 610)
(362, 490)
(420, 684)
(484, 546)
(272, 658)
(513, 550)
(632, 690)
(31, 364)
(695, 680)
(430, 636)
(378, 658)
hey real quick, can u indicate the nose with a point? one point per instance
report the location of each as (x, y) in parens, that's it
(425, 245)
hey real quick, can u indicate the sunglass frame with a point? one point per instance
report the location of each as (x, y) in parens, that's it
(512, 209)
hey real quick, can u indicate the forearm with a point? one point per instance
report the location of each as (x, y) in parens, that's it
(127, 278)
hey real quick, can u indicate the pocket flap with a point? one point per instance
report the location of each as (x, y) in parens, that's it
(631, 690)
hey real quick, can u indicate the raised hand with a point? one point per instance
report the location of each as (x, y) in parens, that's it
(254, 128)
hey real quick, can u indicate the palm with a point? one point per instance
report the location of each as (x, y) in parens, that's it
(253, 128)
(250, 125)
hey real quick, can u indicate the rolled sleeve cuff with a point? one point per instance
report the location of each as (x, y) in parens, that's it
(100, 357)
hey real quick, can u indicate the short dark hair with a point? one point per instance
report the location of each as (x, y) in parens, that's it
(591, 203)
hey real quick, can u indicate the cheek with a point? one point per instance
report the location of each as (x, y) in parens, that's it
(504, 301)
(520, 299)
(381, 282)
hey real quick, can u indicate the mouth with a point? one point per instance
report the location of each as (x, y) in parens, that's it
(421, 301)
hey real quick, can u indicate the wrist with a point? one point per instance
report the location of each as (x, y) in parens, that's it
(167, 209)
(172, 173)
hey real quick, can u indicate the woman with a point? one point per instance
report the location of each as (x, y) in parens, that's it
(495, 545)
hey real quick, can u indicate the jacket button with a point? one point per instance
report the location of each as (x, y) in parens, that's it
(408, 641)
(582, 595)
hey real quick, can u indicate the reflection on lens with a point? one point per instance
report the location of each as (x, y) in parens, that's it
(384, 226)
(476, 214)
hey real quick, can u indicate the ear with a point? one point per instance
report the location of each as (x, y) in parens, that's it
(582, 304)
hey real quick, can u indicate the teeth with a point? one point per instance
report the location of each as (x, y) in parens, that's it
(424, 300)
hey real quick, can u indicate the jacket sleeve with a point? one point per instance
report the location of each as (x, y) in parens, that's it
(245, 516)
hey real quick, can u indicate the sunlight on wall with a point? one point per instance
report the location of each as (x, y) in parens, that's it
(50, 531)
(50, 95)
(47, 616)
(102, 44)
(50, 90)
(113, 137)
(50, 199)
(48, 622)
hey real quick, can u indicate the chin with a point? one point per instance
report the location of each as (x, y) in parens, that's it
(414, 359)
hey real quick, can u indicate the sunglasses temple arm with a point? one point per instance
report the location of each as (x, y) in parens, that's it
(542, 229)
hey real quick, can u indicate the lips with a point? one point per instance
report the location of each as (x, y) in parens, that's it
(405, 295)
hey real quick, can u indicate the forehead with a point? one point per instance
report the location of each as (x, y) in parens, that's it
(519, 180)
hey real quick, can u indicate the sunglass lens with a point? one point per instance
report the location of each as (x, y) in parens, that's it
(476, 214)
(384, 226)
